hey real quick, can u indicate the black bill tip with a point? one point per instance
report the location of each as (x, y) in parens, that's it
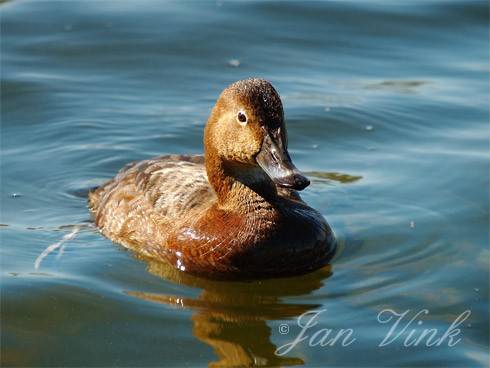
(294, 181)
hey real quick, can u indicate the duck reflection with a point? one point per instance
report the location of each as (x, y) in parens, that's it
(232, 317)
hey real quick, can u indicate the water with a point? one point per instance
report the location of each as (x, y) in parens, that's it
(387, 106)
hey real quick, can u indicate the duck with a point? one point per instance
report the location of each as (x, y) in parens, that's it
(232, 213)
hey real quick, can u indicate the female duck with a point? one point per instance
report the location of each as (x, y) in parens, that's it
(234, 213)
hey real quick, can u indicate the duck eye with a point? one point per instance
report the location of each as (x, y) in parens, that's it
(241, 118)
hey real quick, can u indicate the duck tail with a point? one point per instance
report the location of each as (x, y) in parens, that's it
(93, 197)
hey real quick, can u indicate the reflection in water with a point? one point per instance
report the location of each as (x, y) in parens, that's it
(232, 317)
(334, 176)
(401, 86)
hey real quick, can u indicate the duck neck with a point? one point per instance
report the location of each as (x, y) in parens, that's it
(239, 186)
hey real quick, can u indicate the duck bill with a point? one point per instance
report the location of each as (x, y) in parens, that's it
(274, 159)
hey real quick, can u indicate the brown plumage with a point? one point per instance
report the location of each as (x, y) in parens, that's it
(233, 213)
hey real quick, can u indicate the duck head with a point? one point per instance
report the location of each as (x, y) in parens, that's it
(247, 136)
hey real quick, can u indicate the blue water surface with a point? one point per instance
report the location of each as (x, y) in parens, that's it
(387, 108)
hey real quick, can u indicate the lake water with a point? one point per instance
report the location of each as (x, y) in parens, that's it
(387, 106)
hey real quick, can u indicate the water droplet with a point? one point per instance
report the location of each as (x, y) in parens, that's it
(180, 265)
(412, 224)
(369, 128)
(315, 146)
(234, 63)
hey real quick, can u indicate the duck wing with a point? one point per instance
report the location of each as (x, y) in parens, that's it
(147, 197)
(175, 185)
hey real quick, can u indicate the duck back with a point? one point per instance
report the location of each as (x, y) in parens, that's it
(139, 206)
